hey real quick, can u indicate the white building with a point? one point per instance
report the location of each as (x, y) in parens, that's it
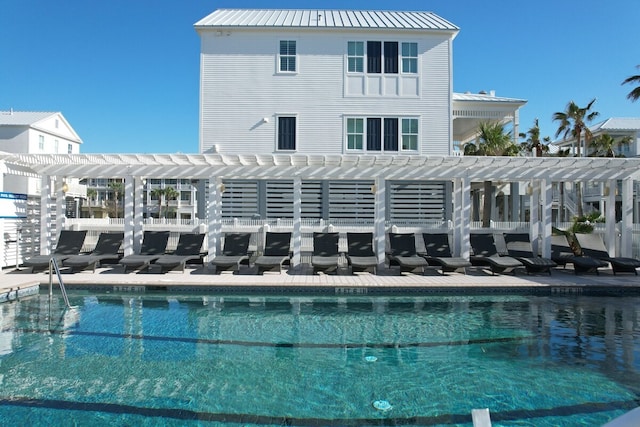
(36, 132)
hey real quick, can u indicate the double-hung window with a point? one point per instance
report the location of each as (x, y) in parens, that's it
(287, 56)
(355, 133)
(286, 133)
(355, 57)
(410, 58)
(410, 134)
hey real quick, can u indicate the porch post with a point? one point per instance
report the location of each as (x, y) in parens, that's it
(545, 231)
(610, 217)
(627, 218)
(45, 215)
(297, 213)
(130, 244)
(138, 212)
(214, 216)
(379, 230)
(60, 204)
(462, 220)
(515, 201)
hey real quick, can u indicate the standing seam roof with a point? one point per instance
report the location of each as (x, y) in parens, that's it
(316, 18)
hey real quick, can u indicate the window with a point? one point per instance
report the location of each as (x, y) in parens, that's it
(410, 58)
(56, 145)
(410, 134)
(355, 134)
(185, 196)
(41, 142)
(286, 133)
(374, 54)
(391, 57)
(382, 134)
(69, 149)
(355, 57)
(287, 56)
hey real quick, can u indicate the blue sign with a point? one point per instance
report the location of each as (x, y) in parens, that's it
(13, 205)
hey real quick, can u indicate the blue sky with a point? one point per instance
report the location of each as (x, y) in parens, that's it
(125, 73)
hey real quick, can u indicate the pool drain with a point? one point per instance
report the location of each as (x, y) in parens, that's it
(382, 405)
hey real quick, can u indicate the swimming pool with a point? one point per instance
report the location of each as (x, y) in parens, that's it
(145, 359)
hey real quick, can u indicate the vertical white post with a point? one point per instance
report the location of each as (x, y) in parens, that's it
(138, 213)
(45, 215)
(465, 219)
(3, 247)
(627, 218)
(546, 201)
(379, 231)
(297, 213)
(214, 216)
(60, 204)
(610, 218)
(129, 245)
(534, 217)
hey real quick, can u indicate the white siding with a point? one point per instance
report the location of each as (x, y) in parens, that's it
(240, 87)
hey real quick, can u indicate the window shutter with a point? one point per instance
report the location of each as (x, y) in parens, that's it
(374, 53)
(391, 57)
(391, 134)
(374, 137)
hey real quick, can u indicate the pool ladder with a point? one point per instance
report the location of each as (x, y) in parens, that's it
(53, 267)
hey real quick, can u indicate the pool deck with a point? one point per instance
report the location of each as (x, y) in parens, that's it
(15, 283)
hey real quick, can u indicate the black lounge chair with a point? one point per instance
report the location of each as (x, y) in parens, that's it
(107, 248)
(485, 254)
(593, 246)
(360, 255)
(234, 253)
(188, 249)
(69, 243)
(519, 247)
(276, 252)
(562, 254)
(325, 255)
(403, 253)
(439, 253)
(154, 245)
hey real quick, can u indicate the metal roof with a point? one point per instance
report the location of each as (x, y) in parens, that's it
(482, 97)
(316, 167)
(618, 123)
(23, 118)
(317, 18)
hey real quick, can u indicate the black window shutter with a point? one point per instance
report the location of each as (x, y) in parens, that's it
(374, 137)
(286, 133)
(391, 57)
(374, 53)
(390, 134)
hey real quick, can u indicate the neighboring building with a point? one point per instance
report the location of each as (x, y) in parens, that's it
(37, 132)
(335, 83)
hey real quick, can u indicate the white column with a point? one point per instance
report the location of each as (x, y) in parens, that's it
(129, 244)
(214, 216)
(3, 247)
(45, 215)
(138, 212)
(534, 217)
(610, 217)
(379, 230)
(627, 218)
(297, 213)
(546, 201)
(60, 204)
(463, 245)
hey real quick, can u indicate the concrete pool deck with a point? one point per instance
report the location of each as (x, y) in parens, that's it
(15, 283)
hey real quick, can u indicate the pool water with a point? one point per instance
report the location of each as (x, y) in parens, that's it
(149, 359)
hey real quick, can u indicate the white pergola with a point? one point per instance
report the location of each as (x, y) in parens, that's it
(539, 173)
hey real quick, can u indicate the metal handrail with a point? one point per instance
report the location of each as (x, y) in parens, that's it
(53, 266)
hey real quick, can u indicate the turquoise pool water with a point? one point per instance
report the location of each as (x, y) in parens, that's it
(154, 359)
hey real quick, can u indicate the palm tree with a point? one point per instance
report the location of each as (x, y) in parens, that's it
(605, 144)
(117, 188)
(492, 140)
(533, 141)
(157, 193)
(634, 95)
(169, 194)
(573, 121)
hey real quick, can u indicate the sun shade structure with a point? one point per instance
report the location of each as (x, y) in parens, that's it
(69, 243)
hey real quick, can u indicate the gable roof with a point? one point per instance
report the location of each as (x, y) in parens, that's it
(23, 118)
(306, 18)
(618, 123)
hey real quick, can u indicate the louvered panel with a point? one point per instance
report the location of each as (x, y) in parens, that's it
(422, 200)
(351, 200)
(240, 199)
(311, 199)
(279, 199)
